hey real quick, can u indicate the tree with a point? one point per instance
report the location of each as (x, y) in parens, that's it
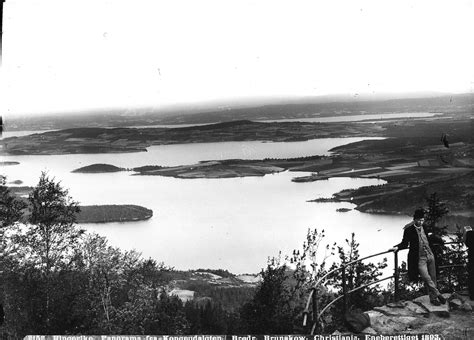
(270, 311)
(445, 255)
(435, 211)
(453, 277)
(310, 263)
(11, 208)
(50, 238)
(311, 267)
(359, 274)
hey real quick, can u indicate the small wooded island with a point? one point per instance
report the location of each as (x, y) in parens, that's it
(113, 213)
(98, 168)
(97, 213)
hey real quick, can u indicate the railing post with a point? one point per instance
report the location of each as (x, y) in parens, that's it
(450, 281)
(396, 275)
(344, 287)
(315, 309)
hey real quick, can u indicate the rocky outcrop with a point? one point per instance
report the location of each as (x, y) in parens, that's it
(453, 320)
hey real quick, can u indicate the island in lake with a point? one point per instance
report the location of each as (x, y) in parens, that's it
(98, 168)
(113, 213)
(96, 213)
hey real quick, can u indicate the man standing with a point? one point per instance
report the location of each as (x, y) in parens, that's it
(421, 260)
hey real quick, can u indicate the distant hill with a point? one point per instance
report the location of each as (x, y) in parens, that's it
(264, 109)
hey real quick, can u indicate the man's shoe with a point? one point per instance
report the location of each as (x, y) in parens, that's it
(441, 299)
(435, 302)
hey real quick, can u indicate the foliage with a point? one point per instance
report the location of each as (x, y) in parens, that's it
(435, 211)
(356, 275)
(229, 298)
(308, 265)
(208, 317)
(271, 310)
(446, 255)
(11, 208)
(279, 302)
(310, 268)
(50, 235)
(453, 277)
(11, 211)
(60, 280)
(407, 290)
(49, 238)
(57, 279)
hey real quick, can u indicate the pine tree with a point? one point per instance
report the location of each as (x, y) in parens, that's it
(435, 211)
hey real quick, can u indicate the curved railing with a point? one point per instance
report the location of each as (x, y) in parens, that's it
(313, 296)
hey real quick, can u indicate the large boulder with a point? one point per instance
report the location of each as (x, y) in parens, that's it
(384, 324)
(404, 308)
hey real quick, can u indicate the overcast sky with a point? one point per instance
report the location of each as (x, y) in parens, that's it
(73, 54)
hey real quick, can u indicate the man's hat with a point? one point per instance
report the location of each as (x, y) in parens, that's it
(419, 213)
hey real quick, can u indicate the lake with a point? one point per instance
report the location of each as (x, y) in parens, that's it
(234, 223)
(358, 118)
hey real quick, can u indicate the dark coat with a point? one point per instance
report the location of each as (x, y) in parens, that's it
(470, 264)
(410, 239)
(470, 244)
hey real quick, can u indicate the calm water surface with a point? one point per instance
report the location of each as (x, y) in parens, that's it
(231, 223)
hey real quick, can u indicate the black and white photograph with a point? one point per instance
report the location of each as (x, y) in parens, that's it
(236, 170)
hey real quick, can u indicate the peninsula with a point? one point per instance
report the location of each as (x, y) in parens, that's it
(119, 140)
